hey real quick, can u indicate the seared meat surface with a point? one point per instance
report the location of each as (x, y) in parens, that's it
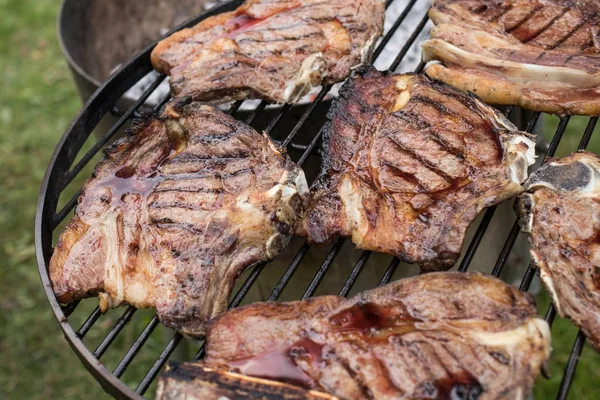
(440, 335)
(542, 55)
(174, 213)
(276, 50)
(193, 381)
(561, 213)
(408, 164)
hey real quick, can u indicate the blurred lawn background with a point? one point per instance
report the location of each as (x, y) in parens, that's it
(37, 102)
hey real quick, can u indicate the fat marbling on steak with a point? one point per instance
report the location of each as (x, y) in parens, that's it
(174, 213)
(561, 213)
(276, 50)
(408, 164)
(542, 55)
(436, 336)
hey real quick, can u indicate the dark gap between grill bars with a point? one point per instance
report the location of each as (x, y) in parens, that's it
(335, 249)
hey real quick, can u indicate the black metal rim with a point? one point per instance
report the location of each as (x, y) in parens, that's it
(91, 113)
(60, 172)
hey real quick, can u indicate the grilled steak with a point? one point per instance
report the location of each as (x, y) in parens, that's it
(561, 213)
(191, 381)
(542, 55)
(435, 336)
(276, 50)
(409, 163)
(174, 213)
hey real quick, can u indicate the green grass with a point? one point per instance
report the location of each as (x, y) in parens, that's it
(37, 102)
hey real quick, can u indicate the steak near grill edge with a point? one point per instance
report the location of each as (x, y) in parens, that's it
(174, 213)
(274, 50)
(560, 211)
(445, 335)
(542, 55)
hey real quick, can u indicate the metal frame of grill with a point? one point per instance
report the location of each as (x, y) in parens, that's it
(62, 170)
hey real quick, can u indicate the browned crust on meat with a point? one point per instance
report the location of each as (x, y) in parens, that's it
(561, 214)
(543, 55)
(495, 89)
(405, 171)
(199, 382)
(274, 50)
(156, 57)
(431, 336)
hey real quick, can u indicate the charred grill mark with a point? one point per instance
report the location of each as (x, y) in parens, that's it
(386, 370)
(346, 19)
(168, 223)
(434, 135)
(409, 119)
(415, 350)
(426, 163)
(567, 36)
(545, 27)
(455, 94)
(235, 173)
(400, 345)
(406, 176)
(527, 18)
(437, 105)
(217, 137)
(479, 9)
(364, 389)
(180, 204)
(280, 28)
(421, 124)
(232, 64)
(542, 54)
(191, 157)
(189, 190)
(284, 39)
(214, 173)
(587, 45)
(500, 357)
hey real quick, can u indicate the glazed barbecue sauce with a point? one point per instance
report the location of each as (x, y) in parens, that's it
(371, 322)
(365, 319)
(126, 180)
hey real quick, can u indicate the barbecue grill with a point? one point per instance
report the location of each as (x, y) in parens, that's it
(67, 166)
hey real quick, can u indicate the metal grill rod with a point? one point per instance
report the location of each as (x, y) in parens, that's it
(158, 364)
(393, 29)
(409, 43)
(389, 272)
(571, 367)
(114, 332)
(137, 345)
(358, 267)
